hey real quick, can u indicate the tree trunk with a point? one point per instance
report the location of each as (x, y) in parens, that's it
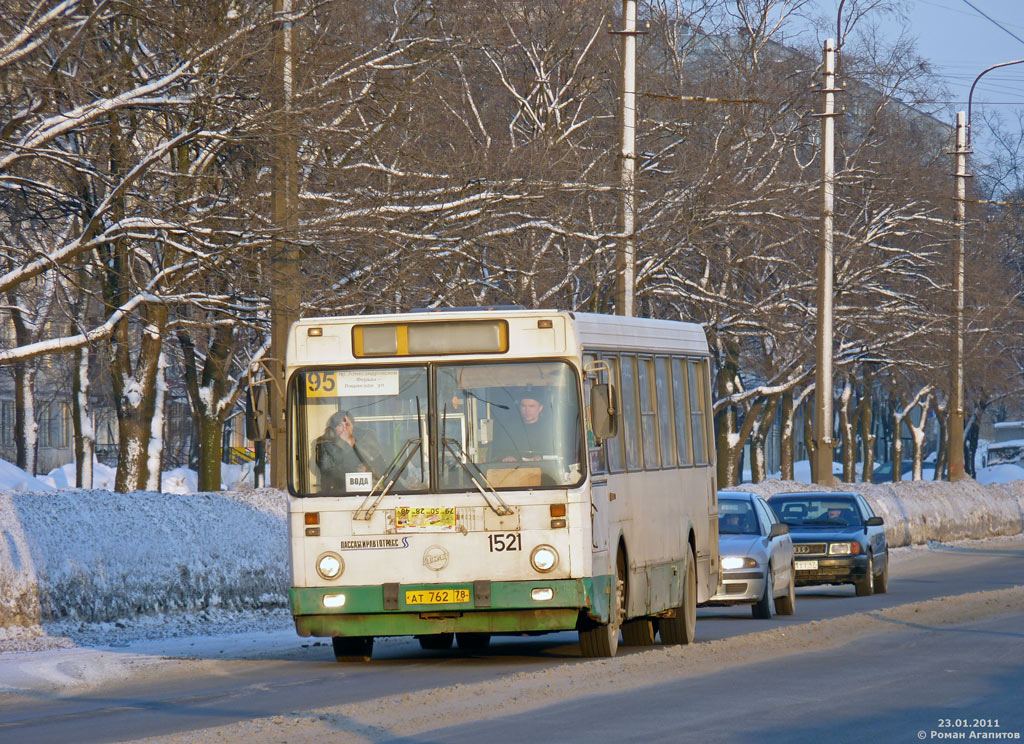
(757, 438)
(941, 457)
(135, 393)
(809, 437)
(26, 430)
(155, 450)
(725, 419)
(897, 440)
(848, 433)
(787, 449)
(85, 437)
(211, 429)
(867, 438)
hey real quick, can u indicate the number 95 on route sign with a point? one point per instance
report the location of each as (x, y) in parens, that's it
(321, 385)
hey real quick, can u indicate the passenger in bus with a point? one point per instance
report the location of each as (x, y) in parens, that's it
(344, 449)
(529, 438)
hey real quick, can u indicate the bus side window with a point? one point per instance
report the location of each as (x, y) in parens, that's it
(664, 405)
(595, 451)
(649, 413)
(613, 447)
(681, 412)
(630, 430)
(698, 394)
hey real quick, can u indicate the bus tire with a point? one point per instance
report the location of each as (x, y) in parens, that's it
(473, 641)
(639, 632)
(680, 629)
(355, 648)
(436, 641)
(603, 641)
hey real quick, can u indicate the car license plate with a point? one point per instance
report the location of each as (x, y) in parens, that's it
(806, 565)
(436, 596)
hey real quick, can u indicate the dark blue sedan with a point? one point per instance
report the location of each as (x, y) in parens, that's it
(837, 539)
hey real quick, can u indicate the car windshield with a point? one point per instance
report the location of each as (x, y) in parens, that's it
(816, 510)
(737, 517)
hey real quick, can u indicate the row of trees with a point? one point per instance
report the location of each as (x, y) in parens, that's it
(461, 153)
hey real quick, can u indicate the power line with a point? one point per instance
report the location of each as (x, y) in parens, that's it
(992, 20)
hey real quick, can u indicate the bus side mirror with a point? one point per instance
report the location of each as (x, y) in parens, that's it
(257, 413)
(604, 411)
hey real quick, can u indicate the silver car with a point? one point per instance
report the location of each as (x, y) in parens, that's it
(757, 556)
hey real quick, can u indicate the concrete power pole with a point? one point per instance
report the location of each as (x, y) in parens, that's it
(284, 258)
(625, 258)
(956, 392)
(823, 442)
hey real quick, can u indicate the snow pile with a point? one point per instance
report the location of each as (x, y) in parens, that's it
(97, 556)
(916, 512)
(14, 478)
(178, 480)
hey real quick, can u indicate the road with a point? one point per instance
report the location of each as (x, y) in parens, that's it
(842, 668)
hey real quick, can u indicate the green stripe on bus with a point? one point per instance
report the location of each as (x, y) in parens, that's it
(591, 594)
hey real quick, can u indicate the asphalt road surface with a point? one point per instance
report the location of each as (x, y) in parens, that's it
(930, 658)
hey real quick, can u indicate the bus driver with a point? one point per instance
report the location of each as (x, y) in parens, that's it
(530, 438)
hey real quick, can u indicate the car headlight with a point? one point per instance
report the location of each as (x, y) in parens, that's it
(330, 566)
(844, 548)
(544, 558)
(735, 561)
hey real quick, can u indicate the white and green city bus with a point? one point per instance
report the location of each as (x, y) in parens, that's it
(459, 520)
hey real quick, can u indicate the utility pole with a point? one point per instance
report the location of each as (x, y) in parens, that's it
(284, 258)
(956, 407)
(823, 442)
(625, 255)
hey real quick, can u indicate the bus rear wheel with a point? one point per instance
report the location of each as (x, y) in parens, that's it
(603, 641)
(681, 629)
(357, 648)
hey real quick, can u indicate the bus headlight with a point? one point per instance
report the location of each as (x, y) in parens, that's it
(544, 558)
(330, 566)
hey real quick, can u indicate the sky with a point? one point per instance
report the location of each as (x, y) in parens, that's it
(960, 43)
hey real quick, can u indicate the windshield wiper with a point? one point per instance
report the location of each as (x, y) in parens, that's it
(826, 521)
(387, 479)
(479, 479)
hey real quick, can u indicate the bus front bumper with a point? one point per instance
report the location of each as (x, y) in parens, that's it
(489, 607)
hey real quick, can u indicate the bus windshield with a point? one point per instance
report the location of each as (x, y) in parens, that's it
(518, 423)
(513, 425)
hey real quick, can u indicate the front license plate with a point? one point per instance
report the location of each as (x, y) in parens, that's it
(806, 565)
(437, 596)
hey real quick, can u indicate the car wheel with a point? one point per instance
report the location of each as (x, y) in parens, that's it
(786, 605)
(680, 629)
(473, 641)
(762, 610)
(358, 648)
(865, 586)
(436, 641)
(881, 582)
(603, 641)
(639, 632)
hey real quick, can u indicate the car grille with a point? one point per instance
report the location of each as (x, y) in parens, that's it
(809, 549)
(735, 588)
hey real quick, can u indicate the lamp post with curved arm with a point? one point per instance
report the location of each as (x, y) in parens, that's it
(956, 408)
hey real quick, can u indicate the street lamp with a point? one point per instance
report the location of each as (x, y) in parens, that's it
(956, 409)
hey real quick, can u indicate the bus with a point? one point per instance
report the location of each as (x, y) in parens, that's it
(462, 474)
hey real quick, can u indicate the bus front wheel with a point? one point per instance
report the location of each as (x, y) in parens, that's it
(358, 648)
(603, 641)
